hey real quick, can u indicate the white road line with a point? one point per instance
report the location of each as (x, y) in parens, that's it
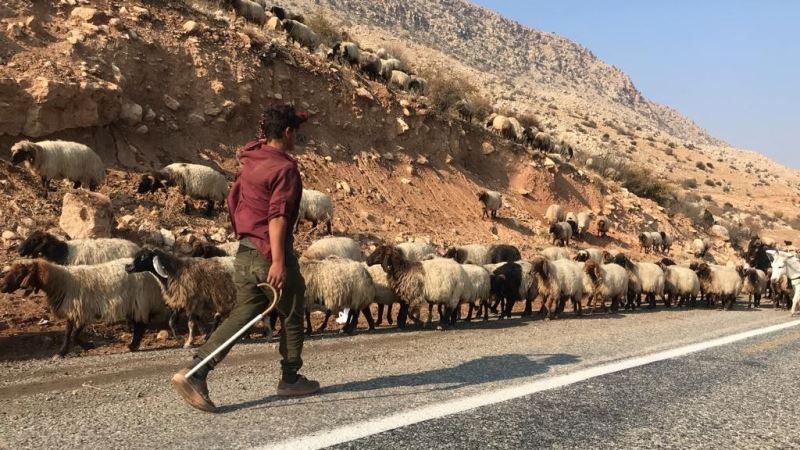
(360, 430)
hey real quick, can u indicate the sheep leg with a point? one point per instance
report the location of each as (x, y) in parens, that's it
(402, 316)
(389, 313)
(352, 322)
(209, 208)
(470, 309)
(328, 228)
(309, 329)
(76, 338)
(324, 325)
(76, 185)
(138, 333)
(368, 315)
(172, 319)
(430, 315)
(651, 298)
(217, 320)
(380, 316)
(65, 346)
(190, 338)
(187, 206)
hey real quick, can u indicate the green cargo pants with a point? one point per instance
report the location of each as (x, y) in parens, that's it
(250, 269)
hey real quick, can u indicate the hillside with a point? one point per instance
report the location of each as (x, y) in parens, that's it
(146, 84)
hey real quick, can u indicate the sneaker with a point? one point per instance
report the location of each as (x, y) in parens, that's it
(194, 391)
(303, 386)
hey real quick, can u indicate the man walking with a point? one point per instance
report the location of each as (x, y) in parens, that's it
(263, 203)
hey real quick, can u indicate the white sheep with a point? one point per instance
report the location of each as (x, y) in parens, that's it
(300, 33)
(196, 182)
(718, 281)
(700, 247)
(347, 52)
(680, 283)
(645, 278)
(252, 11)
(555, 214)
(557, 281)
(60, 160)
(382, 53)
(469, 254)
(584, 220)
(316, 207)
(343, 247)
(608, 281)
(76, 252)
(400, 80)
(87, 294)
(335, 284)
(437, 281)
(477, 290)
(492, 201)
(555, 253)
(561, 233)
(416, 251)
(390, 65)
(384, 295)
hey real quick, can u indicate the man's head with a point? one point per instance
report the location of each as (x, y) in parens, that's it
(280, 123)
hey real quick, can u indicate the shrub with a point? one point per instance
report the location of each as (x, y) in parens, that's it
(707, 198)
(326, 30)
(589, 123)
(672, 145)
(779, 215)
(690, 183)
(444, 92)
(726, 189)
(399, 52)
(710, 182)
(700, 165)
(606, 137)
(710, 165)
(669, 152)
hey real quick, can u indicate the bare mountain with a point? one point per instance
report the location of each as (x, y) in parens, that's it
(533, 62)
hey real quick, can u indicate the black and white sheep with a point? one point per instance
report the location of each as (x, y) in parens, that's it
(666, 242)
(720, 282)
(492, 201)
(196, 182)
(478, 290)
(555, 214)
(561, 233)
(370, 64)
(87, 294)
(346, 53)
(252, 11)
(437, 281)
(343, 247)
(300, 33)
(400, 80)
(503, 253)
(384, 295)
(469, 254)
(754, 285)
(41, 244)
(651, 241)
(336, 284)
(200, 287)
(316, 207)
(590, 254)
(283, 14)
(584, 220)
(609, 282)
(60, 160)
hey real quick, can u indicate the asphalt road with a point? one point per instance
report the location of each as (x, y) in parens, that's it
(738, 391)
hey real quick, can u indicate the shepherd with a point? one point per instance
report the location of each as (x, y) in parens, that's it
(264, 203)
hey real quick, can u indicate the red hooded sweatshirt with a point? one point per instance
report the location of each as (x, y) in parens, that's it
(268, 186)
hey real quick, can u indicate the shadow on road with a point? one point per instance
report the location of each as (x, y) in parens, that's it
(471, 373)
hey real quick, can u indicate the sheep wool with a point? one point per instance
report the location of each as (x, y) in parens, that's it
(337, 283)
(252, 11)
(61, 160)
(199, 182)
(416, 251)
(300, 33)
(316, 207)
(681, 282)
(555, 214)
(554, 253)
(77, 251)
(400, 80)
(469, 254)
(479, 284)
(343, 247)
(384, 295)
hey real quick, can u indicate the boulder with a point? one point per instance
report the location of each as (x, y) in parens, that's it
(171, 103)
(402, 126)
(85, 215)
(191, 27)
(131, 113)
(721, 232)
(84, 13)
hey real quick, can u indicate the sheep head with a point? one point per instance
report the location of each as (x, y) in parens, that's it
(154, 261)
(540, 266)
(205, 250)
(703, 271)
(594, 271)
(390, 258)
(457, 254)
(23, 151)
(26, 275)
(622, 260)
(666, 262)
(483, 196)
(583, 256)
(45, 245)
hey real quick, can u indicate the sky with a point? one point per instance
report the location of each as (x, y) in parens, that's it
(732, 66)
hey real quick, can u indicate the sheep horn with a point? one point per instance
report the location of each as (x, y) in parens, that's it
(159, 268)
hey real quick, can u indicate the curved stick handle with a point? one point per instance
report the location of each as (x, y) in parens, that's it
(276, 295)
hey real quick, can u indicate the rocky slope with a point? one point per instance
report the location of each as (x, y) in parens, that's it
(146, 84)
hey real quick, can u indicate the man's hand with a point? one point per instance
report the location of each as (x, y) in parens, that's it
(277, 238)
(276, 275)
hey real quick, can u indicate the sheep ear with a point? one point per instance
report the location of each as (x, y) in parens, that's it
(159, 268)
